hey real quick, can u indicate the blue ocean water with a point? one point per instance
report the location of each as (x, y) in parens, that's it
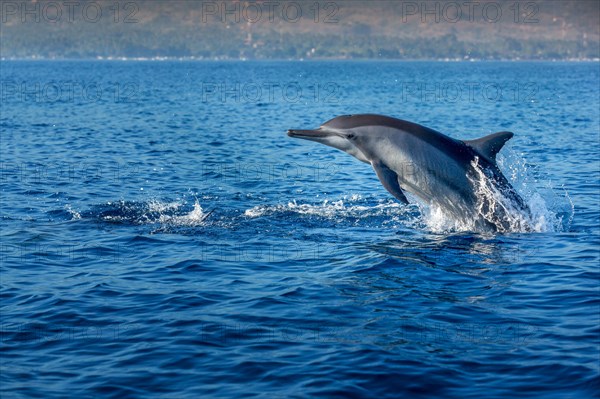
(163, 238)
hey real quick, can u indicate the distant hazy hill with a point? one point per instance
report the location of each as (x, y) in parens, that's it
(500, 29)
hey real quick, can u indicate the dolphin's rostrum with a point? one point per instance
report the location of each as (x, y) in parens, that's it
(460, 177)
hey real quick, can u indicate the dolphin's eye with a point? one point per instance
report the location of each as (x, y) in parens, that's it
(351, 136)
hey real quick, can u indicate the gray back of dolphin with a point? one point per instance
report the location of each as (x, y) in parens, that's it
(436, 168)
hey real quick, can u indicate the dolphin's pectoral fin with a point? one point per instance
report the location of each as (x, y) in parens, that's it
(389, 179)
(489, 146)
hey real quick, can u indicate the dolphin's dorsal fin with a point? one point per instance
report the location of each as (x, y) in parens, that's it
(489, 146)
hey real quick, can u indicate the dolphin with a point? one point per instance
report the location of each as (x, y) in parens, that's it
(459, 177)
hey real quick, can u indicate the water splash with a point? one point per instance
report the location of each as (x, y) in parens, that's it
(195, 217)
(499, 210)
(550, 206)
(166, 213)
(436, 220)
(328, 209)
(549, 211)
(545, 209)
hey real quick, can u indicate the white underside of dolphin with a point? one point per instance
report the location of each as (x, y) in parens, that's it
(452, 174)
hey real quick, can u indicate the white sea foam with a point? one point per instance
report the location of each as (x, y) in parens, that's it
(170, 213)
(195, 217)
(327, 209)
(436, 220)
